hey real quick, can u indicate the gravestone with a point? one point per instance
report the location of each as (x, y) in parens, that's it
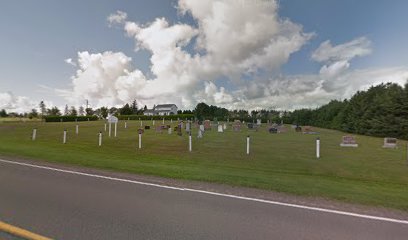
(250, 126)
(390, 143)
(236, 126)
(307, 129)
(188, 127)
(348, 141)
(220, 128)
(281, 129)
(147, 127)
(202, 128)
(298, 128)
(200, 133)
(225, 126)
(179, 127)
(207, 125)
(273, 130)
(258, 122)
(159, 129)
(169, 130)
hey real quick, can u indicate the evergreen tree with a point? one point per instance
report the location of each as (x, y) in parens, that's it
(81, 111)
(73, 111)
(66, 110)
(3, 113)
(43, 108)
(126, 110)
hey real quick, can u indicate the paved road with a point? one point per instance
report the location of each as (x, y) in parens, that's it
(69, 206)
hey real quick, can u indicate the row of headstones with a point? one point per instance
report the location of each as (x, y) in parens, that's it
(350, 141)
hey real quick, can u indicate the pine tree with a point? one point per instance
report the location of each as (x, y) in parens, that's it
(66, 110)
(43, 109)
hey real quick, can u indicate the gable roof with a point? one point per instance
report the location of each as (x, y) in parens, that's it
(165, 105)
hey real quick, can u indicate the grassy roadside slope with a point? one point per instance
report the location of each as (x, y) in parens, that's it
(285, 162)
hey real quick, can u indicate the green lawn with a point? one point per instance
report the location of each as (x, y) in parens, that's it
(283, 162)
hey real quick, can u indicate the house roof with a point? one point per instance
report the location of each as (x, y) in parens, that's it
(165, 105)
(149, 110)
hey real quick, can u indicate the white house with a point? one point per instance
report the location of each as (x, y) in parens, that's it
(161, 110)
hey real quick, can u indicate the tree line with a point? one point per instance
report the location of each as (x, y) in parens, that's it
(381, 111)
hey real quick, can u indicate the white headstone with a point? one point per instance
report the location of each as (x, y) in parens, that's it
(200, 134)
(220, 128)
(390, 143)
(348, 141)
(202, 127)
(225, 126)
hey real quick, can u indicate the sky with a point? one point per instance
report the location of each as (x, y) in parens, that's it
(252, 54)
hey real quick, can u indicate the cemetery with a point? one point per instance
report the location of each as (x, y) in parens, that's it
(275, 157)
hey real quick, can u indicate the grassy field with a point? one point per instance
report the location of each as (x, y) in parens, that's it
(283, 162)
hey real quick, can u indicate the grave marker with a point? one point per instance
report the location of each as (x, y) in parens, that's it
(390, 143)
(220, 128)
(207, 125)
(159, 129)
(348, 141)
(236, 126)
(273, 130)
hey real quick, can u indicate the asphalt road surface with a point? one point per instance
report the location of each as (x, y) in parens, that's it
(63, 205)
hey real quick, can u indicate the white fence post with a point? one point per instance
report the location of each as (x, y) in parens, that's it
(110, 129)
(100, 139)
(116, 127)
(190, 147)
(247, 148)
(34, 134)
(64, 138)
(140, 140)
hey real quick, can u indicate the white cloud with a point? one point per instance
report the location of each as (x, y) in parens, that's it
(12, 103)
(343, 52)
(235, 52)
(70, 62)
(117, 18)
